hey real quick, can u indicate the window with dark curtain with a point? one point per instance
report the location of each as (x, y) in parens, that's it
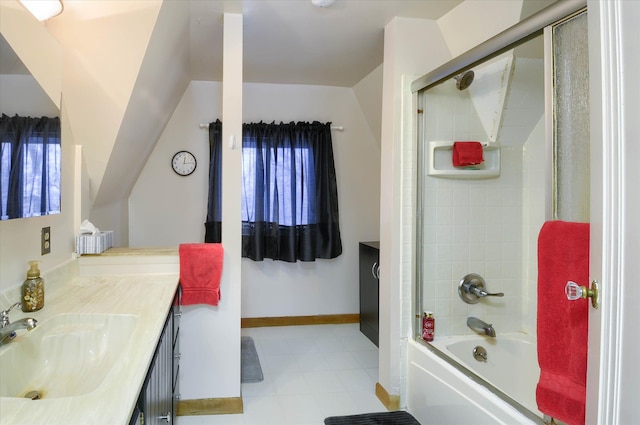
(29, 166)
(289, 191)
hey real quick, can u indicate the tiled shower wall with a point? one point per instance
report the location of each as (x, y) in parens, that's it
(474, 226)
(486, 226)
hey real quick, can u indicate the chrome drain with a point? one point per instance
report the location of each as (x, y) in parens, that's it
(480, 354)
(33, 395)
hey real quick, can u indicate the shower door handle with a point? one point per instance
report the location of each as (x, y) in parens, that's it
(574, 292)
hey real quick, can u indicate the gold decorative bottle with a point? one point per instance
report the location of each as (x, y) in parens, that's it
(33, 289)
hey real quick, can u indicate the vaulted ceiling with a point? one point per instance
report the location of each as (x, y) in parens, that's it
(285, 41)
(294, 42)
(127, 63)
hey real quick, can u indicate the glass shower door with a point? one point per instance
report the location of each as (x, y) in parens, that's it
(571, 152)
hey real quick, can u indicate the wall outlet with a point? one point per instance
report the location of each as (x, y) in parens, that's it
(45, 241)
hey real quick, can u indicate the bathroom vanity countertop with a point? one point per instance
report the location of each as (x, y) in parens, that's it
(141, 251)
(148, 297)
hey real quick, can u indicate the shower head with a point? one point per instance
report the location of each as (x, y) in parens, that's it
(464, 80)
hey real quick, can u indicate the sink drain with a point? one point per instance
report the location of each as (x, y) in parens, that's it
(33, 395)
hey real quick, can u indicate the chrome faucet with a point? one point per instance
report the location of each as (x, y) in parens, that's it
(481, 326)
(8, 329)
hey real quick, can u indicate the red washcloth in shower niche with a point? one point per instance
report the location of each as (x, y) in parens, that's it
(563, 255)
(200, 272)
(467, 153)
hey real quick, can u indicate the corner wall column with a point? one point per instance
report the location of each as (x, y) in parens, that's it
(231, 184)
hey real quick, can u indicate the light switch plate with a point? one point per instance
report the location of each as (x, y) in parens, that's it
(45, 241)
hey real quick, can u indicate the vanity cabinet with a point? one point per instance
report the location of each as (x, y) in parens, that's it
(369, 289)
(176, 309)
(157, 403)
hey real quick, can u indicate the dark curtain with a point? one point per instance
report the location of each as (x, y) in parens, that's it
(289, 193)
(213, 225)
(25, 144)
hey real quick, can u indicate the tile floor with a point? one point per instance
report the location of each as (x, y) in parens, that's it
(310, 372)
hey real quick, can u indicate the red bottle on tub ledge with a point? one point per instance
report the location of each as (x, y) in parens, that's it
(428, 326)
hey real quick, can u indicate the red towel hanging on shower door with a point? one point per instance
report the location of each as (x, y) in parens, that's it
(562, 328)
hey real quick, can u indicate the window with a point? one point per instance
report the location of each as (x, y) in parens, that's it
(289, 192)
(289, 184)
(29, 166)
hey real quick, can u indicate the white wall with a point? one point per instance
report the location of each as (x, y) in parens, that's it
(472, 22)
(35, 46)
(22, 95)
(166, 209)
(403, 40)
(368, 91)
(100, 84)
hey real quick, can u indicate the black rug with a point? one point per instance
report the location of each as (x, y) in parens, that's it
(398, 417)
(250, 369)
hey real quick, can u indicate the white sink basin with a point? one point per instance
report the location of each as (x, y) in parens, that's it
(64, 356)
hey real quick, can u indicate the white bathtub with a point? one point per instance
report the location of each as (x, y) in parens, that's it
(441, 392)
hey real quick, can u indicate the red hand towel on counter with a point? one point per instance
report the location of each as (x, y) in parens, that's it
(467, 153)
(563, 255)
(200, 272)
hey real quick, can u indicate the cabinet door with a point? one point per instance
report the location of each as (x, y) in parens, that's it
(369, 290)
(158, 395)
(157, 403)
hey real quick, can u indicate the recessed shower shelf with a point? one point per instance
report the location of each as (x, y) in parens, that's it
(441, 163)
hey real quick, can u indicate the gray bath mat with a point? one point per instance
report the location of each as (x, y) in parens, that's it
(399, 417)
(250, 369)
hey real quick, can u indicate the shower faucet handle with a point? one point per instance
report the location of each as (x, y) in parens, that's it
(481, 292)
(472, 287)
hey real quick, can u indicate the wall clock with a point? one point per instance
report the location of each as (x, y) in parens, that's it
(183, 163)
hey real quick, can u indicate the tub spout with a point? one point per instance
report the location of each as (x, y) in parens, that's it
(481, 326)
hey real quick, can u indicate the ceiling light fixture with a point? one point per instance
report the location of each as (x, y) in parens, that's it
(322, 3)
(43, 9)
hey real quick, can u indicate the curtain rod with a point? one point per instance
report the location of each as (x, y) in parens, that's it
(333, 127)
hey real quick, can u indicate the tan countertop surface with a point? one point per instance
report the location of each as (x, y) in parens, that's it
(140, 251)
(146, 296)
